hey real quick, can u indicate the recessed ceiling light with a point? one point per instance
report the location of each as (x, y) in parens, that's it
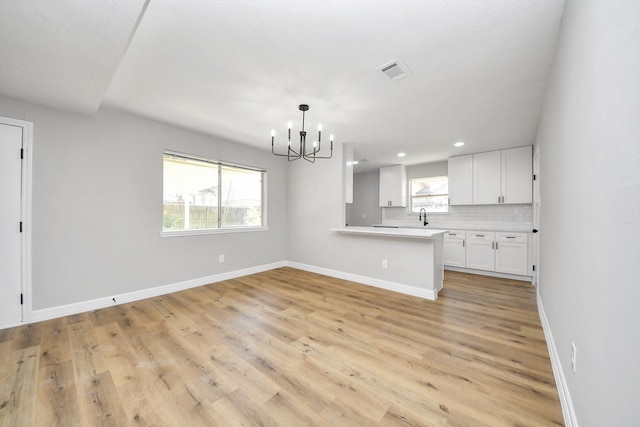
(402, 154)
(458, 144)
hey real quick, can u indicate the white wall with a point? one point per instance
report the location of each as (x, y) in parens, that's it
(97, 207)
(365, 209)
(589, 137)
(316, 204)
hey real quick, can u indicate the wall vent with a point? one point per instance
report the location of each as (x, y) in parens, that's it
(395, 70)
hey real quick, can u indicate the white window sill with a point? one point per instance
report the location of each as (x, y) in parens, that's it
(180, 233)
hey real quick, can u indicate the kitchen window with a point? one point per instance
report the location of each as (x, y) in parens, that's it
(430, 193)
(203, 196)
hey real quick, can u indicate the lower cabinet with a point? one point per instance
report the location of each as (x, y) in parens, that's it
(455, 253)
(480, 250)
(511, 253)
(501, 252)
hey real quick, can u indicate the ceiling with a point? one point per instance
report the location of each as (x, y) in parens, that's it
(238, 68)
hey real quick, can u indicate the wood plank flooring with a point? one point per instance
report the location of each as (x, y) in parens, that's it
(288, 348)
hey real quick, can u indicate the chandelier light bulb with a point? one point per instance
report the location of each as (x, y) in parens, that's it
(302, 153)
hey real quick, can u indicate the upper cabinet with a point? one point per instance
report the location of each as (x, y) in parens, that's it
(517, 175)
(461, 180)
(393, 186)
(487, 183)
(494, 177)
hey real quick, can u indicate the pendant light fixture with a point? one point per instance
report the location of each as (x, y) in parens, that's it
(309, 155)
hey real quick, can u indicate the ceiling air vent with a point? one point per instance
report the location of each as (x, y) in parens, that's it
(395, 70)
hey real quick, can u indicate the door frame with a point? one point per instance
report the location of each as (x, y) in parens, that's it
(25, 214)
(537, 201)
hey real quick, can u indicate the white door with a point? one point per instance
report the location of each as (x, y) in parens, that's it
(487, 169)
(480, 250)
(460, 173)
(536, 217)
(10, 217)
(455, 250)
(511, 258)
(516, 175)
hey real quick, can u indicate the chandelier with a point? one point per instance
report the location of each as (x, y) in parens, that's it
(309, 155)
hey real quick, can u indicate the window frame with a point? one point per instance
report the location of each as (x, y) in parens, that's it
(219, 164)
(411, 196)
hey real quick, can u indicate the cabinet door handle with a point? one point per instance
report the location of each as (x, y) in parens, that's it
(479, 235)
(463, 243)
(496, 245)
(510, 237)
(492, 245)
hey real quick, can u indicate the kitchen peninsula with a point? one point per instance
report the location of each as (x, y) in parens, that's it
(425, 272)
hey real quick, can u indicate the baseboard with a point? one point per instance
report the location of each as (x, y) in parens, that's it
(109, 301)
(569, 414)
(84, 306)
(490, 273)
(378, 283)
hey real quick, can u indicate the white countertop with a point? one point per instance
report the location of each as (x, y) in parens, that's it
(464, 228)
(416, 233)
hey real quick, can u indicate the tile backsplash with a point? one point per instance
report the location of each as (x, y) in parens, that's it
(489, 217)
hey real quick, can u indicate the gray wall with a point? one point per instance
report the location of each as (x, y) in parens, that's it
(316, 204)
(97, 207)
(589, 137)
(365, 209)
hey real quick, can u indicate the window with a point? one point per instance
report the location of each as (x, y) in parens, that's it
(430, 193)
(201, 195)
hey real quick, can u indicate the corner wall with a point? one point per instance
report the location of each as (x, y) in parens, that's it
(589, 139)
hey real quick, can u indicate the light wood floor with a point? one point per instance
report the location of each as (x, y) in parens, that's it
(288, 348)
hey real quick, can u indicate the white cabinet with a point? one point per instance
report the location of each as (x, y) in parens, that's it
(517, 175)
(393, 186)
(348, 174)
(511, 253)
(455, 249)
(480, 250)
(487, 171)
(460, 171)
(502, 252)
(503, 177)
(491, 178)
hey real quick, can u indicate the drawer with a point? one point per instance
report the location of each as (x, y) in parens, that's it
(455, 235)
(511, 237)
(481, 235)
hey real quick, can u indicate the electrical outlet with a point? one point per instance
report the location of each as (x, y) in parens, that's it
(220, 258)
(385, 263)
(573, 357)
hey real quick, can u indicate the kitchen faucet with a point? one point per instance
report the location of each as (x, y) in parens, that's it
(425, 216)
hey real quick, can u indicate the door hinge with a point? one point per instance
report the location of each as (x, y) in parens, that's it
(534, 268)
(22, 153)
(21, 226)
(21, 299)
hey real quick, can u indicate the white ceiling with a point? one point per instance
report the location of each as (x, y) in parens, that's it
(238, 68)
